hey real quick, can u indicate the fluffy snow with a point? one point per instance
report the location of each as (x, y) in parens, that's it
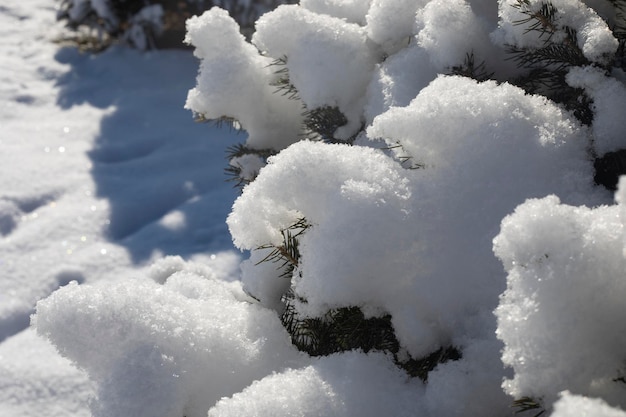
(573, 405)
(565, 283)
(609, 96)
(345, 384)
(353, 11)
(594, 37)
(213, 343)
(449, 30)
(230, 67)
(397, 219)
(102, 172)
(115, 229)
(329, 60)
(391, 23)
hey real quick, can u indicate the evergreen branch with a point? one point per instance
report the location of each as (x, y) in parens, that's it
(406, 160)
(526, 404)
(228, 122)
(470, 69)
(608, 169)
(552, 56)
(422, 367)
(233, 172)
(324, 121)
(239, 150)
(345, 329)
(548, 65)
(619, 31)
(288, 254)
(552, 84)
(543, 18)
(283, 82)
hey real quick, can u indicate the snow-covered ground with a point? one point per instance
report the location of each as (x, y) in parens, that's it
(499, 245)
(101, 171)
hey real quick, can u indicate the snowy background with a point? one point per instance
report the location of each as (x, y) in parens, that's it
(102, 171)
(119, 231)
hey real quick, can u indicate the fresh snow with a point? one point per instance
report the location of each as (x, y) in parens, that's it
(119, 231)
(102, 171)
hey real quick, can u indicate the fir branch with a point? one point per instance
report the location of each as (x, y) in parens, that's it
(234, 172)
(552, 84)
(282, 81)
(339, 330)
(609, 168)
(555, 57)
(548, 65)
(422, 367)
(542, 19)
(322, 122)
(406, 160)
(239, 149)
(345, 329)
(287, 254)
(227, 122)
(619, 31)
(470, 69)
(527, 404)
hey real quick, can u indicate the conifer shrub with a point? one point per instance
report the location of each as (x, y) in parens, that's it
(147, 24)
(544, 67)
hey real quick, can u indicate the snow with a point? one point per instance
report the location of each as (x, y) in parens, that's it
(594, 37)
(118, 230)
(573, 405)
(219, 89)
(449, 30)
(214, 342)
(353, 11)
(344, 384)
(565, 279)
(608, 95)
(99, 159)
(329, 60)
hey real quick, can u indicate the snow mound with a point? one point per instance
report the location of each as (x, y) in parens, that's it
(178, 346)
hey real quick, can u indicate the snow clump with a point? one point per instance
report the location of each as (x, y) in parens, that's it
(560, 316)
(236, 82)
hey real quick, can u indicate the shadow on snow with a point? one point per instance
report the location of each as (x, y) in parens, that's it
(161, 173)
